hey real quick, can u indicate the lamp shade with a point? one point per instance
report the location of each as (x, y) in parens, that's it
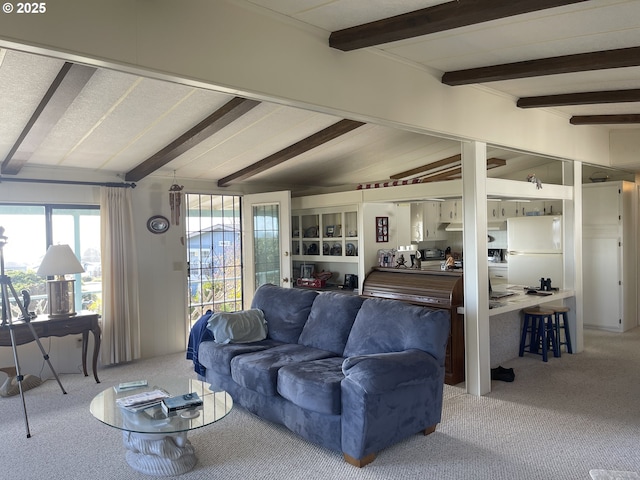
(59, 260)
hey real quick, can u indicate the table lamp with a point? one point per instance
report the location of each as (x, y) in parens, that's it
(59, 261)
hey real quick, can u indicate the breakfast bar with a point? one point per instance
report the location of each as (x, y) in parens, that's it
(505, 320)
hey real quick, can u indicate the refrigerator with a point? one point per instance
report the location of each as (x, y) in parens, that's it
(534, 246)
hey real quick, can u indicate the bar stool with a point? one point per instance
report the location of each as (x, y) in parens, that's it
(538, 324)
(561, 323)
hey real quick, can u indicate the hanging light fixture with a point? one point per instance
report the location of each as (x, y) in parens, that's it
(175, 199)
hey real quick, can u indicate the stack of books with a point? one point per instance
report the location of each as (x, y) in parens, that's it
(172, 405)
(140, 401)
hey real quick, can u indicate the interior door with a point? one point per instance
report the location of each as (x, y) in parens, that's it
(266, 219)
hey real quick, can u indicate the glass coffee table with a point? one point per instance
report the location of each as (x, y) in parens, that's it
(157, 444)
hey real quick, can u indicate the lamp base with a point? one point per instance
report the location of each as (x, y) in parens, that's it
(61, 298)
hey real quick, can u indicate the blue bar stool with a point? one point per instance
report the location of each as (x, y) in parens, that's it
(561, 323)
(539, 326)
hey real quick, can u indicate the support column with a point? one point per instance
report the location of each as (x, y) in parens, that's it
(572, 215)
(476, 270)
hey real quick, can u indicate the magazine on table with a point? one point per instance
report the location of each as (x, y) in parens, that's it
(140, 401)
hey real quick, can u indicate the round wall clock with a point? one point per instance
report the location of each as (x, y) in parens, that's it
(158, 224)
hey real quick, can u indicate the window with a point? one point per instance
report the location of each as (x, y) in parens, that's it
(30, 229)
(214, 252)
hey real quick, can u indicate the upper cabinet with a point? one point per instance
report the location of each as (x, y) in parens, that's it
(451, 210)
(503, 209)
(495, 210)
(425, 222)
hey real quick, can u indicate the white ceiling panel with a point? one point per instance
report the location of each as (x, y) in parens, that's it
(525, 37)
(24, 80)
(263, 131)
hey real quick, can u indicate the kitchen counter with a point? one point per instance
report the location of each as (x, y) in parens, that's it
(505, 321)
(523, 300)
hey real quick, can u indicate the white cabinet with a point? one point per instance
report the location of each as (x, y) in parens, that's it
(498, 274)
(425, 222)
(451, 211)
(417, 222)
(495, 210)
(432, 230)
(327, 239)
(609, 257)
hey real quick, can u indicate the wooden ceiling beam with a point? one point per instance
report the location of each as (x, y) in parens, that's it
(581, 62)
(438, 18)
(445, 162)
(583, 98)
(605, 119)
(323, 136)
(448, 174)
(453, 173)
(443, 165)
(215, 122)
(64, 89)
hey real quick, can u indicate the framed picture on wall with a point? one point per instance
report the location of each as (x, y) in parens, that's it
(382, 229)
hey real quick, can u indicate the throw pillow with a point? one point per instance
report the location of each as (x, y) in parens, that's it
(238, 327)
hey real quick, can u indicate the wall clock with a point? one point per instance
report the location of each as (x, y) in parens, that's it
(158, 224)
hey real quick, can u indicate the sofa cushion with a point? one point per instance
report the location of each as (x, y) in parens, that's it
(393, 326)
(245, 326)
(258, 371)
(313, 385)
(330, 321)
(217, 356)
(285, 309)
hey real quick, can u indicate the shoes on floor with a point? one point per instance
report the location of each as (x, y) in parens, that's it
(503, 374)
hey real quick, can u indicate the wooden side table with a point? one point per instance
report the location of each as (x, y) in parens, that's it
(82, 323)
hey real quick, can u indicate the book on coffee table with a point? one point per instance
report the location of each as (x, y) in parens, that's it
(181, 402)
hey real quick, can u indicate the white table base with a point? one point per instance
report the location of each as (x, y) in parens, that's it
(159, 454)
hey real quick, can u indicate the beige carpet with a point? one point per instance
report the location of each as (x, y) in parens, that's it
(559, 420)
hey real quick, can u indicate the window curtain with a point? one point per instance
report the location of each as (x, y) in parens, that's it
(120, 309)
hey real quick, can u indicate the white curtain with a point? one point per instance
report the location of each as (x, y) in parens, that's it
(120, 310)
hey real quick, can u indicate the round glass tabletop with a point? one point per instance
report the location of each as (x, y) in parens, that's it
(215, 405)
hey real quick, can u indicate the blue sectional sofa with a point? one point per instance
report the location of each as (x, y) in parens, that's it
(351, 374)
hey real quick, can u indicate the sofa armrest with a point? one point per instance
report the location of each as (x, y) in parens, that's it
(384, 372)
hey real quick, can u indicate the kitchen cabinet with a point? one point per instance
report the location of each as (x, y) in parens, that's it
(451, 211)
(417, 222)
(432, 230)
(327, 238)
(496, 210)
(425, 222)
(609, 259)
(498, 274)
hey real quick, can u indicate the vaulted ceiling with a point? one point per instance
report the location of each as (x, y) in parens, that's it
(579, 58)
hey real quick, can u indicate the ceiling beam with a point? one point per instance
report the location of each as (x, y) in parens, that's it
(64, 89)
(215, 122)
(323, 136)
(453, 173)
(443, 165)
(448, 174)
(438, 18)
(583, 98)
(445, 162)
(631, 118)
(581, 62)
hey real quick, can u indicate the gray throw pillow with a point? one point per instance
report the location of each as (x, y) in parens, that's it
(238, 327)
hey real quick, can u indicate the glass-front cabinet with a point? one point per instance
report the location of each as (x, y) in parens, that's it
(323, 241)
